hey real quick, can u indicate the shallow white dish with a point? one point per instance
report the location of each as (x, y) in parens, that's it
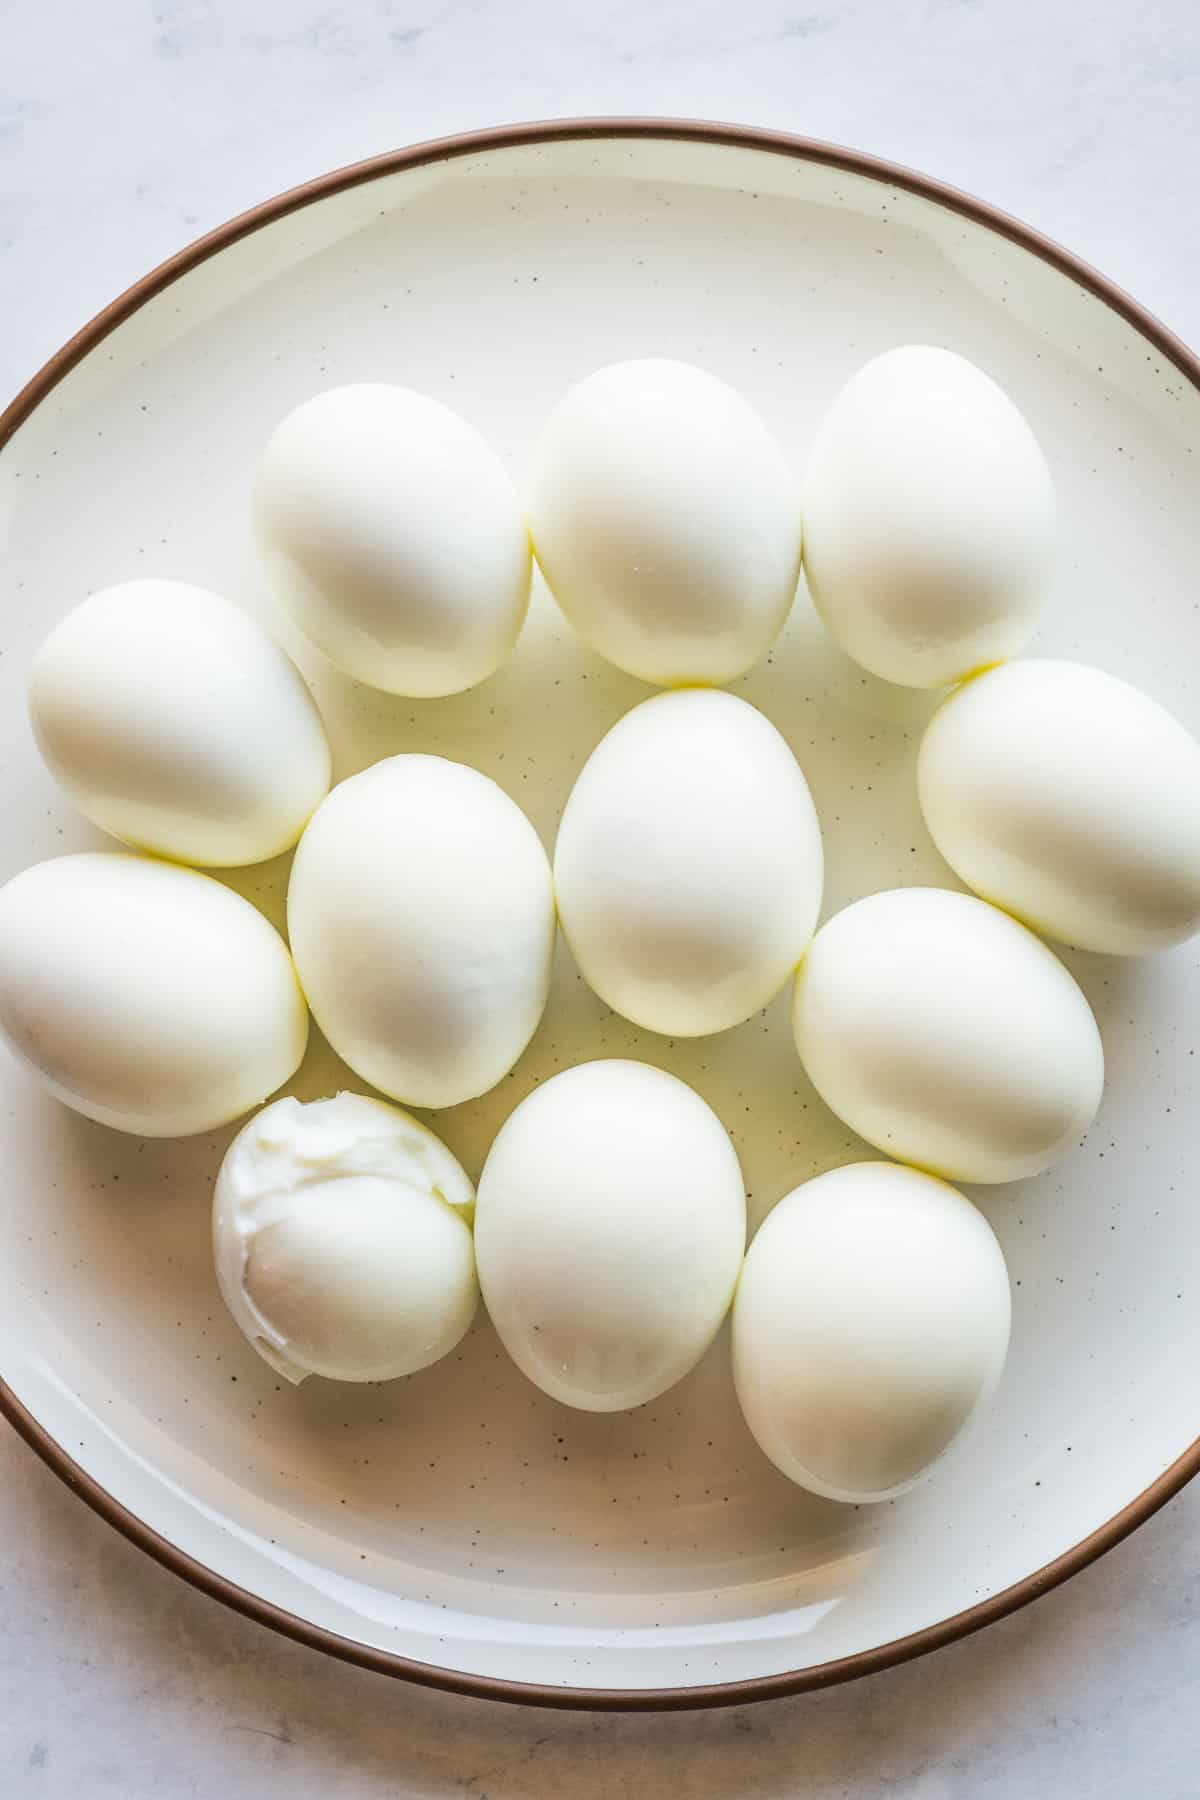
(459, 1527)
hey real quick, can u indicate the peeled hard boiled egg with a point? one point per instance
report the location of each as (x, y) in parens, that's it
(609, 1232)
(146, 996)
(947, 1035)
(871, 1319)
(688, 867)
(666, 522)
(394, 539)
(1070, 799)
(928, 519)
(421, 918)
(342, 1238)
(174, 722)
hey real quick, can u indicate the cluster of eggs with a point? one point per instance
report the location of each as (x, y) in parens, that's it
(871, 1313)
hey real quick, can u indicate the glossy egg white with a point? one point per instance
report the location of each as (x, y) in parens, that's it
(145, 995)
(175, 723)
(394, 538)
(688, 867)
(947, 1035)
(1070, 799)
(928, 519)
(421, 918)
(342, 1240)
(871, 1321)
(666, 521)
(609, 1231)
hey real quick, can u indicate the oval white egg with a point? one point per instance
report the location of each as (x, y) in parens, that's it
(871, 1321)
(175, 723)
(666, 521)
(342, 1240)
(688, 867)
(1070, 799)
(928, 519)
(145, 995)
(394, 539)
(421, 918)
(947, 1035)
(609, 1231)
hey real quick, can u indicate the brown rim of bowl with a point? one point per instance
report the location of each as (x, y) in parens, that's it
(732, 1693)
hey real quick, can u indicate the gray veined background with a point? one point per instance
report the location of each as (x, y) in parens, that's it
(127, 127)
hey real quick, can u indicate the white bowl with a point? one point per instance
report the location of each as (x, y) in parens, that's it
(459, 1527)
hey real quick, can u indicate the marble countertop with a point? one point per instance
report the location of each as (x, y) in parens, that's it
(128, 128)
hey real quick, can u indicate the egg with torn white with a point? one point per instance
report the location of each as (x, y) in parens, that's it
(870, 1325)
(1070, 799)
(666, 521)
(609, 1230)
(342, 1240)
(147, 996)
(394, 539)
(174, 722)
(688, 866)
(947, 1035)
(928, 519)
(421, 918)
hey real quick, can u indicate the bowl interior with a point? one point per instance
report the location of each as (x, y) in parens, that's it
(460, 1517)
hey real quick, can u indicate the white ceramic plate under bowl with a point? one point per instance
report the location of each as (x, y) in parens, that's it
(459, 1527)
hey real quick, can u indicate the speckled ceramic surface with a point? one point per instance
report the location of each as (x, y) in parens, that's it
(460, 1518)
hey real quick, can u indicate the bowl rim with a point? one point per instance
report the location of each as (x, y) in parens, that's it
(170, 1555)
